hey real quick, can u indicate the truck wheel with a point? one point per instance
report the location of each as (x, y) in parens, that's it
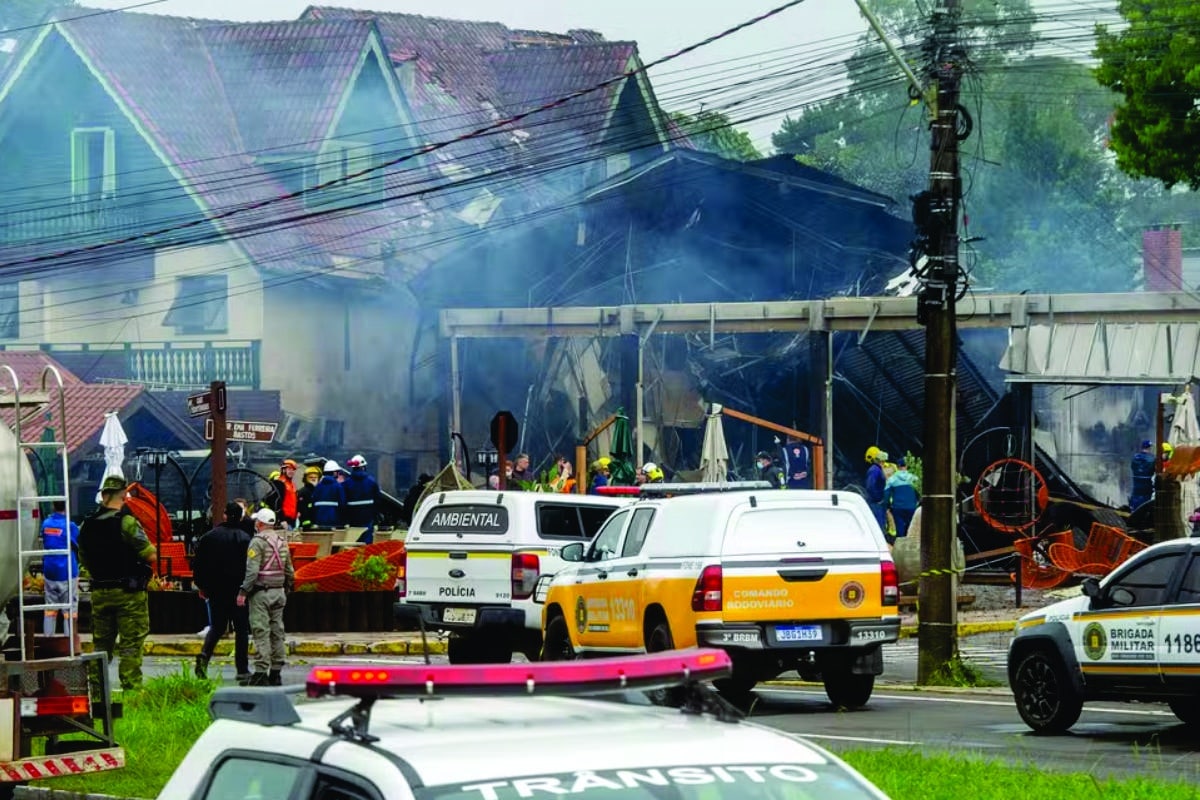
(1186, 708)
(659, 640)
(557, 646)
(738, 686)
(1045, 698)
(847, 690)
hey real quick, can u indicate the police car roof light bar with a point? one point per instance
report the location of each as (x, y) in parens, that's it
(648, 489)
(593, 676)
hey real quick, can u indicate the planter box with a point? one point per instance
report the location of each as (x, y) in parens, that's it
(339, 612)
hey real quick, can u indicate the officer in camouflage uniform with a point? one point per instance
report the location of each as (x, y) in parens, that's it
(269, 578)
(119, 559)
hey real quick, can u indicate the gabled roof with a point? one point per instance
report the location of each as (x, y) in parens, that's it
(29, 366)
(86, 405)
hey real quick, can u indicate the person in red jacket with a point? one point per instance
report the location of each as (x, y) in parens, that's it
(285, 504)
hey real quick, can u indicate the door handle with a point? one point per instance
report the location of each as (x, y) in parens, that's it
(632, 573)
(602, 575)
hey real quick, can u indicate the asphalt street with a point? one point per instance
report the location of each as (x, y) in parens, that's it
(1110, 738)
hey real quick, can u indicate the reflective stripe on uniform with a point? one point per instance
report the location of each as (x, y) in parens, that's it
(358, 502)
(326, 503)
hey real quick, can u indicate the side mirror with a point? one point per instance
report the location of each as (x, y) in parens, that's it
(1090, 587)
(1121, 596)
(572, 552)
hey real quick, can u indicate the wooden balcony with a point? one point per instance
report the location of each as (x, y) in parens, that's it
(80, 220)
(161, 365)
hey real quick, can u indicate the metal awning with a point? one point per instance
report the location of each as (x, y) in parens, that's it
(1153, 353)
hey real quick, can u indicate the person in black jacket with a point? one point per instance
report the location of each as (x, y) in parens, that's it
(218, 567)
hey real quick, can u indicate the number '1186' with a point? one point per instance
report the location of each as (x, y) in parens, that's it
(1182, 643)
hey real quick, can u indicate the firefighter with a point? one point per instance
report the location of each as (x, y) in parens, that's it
(874, 485)
(329, 499)
(304, 506)
(285, 493)
(362, 493)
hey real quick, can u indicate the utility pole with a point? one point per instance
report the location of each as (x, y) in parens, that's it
(935, 213)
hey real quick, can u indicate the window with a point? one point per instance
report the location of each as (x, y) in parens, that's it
(93, 164)
(1148, 580)
(10, 311)
(201, 305)
(340, 159)
(605, 546)
(250, 779)
(639, 526)
(1189, 590)
(593, 518)
(333, 789)
(558, 521)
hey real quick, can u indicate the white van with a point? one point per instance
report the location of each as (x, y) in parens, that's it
(473, 559)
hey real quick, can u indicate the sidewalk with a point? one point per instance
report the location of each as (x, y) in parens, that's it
(400, 644)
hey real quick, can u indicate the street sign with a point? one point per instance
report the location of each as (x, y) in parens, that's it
(510, 431)
(240, 431)
(201, 404)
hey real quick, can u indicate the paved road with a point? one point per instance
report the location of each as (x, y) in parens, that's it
(1109, 738)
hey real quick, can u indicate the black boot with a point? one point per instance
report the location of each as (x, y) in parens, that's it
(243, 679)
(202, 667)
(258, 679)
(275, 678)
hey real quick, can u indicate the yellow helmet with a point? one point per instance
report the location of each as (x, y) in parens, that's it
(604, 461)
(872, 453)
(1168, 451)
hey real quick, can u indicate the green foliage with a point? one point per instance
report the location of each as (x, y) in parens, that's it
(911, 773)
(1154, 63)
(1042, 195)
(712, 132)
(306, 587)
(962, 674)
(372, 572)
(160, 724)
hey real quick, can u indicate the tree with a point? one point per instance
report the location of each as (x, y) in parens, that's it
(1154, 63)
(713, 132)
(1044, 207)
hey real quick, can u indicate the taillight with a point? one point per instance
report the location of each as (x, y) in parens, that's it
(707, 594)
(891, 583)
(57, 706)
(525, 568)
(402, 575)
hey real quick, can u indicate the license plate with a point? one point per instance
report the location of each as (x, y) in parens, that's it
(798, 633)
(466, 615)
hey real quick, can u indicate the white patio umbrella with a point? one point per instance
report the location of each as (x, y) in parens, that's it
(1185, 429)
(113, 440)
(714, 457)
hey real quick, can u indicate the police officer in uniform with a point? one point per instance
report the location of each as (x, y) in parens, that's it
(119, 558)
(269, 577)
(768, 472)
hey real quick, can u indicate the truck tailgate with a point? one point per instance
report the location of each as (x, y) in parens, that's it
(460, 576)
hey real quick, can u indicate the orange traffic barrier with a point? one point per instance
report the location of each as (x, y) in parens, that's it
(332, 573)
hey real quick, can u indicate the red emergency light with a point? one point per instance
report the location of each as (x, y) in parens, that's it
(74, 705)
(593, 676)
(617, 491)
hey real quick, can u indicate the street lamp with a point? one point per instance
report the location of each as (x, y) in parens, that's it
(487, 457)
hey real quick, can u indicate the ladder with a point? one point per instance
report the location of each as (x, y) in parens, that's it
(27, 498)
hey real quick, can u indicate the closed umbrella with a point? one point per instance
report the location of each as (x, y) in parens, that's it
(621, 470)
(1185, 429)
(113, 440)
(714, 455)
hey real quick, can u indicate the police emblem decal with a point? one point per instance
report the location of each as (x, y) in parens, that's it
(580, 615)
(1095, 641)
(852, 594)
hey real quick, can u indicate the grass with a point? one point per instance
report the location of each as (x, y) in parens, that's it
(158, 727)
(905, 774)
(963, 674)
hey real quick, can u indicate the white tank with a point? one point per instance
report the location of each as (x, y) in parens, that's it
(11, 570)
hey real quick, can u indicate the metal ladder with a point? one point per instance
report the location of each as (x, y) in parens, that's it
(33, 501)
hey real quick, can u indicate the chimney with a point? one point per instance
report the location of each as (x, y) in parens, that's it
(1162, 258)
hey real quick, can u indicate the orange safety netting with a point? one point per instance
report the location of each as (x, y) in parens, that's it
(332, 573)
(1105, 549)
(1011, 495)
(1036, 570)
(141, 503)
(1184, 461)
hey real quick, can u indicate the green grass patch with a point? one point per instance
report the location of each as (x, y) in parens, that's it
(158, 727)
(905, 774)
(962, 674)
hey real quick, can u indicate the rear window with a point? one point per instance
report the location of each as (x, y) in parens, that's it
(466, 519)
(710, 782)
(567, 521)
(769, 531)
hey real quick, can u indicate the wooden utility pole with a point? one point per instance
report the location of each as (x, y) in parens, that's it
(217, 392)
(936, 213)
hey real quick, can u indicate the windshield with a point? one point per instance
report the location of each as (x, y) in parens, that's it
(729, 782)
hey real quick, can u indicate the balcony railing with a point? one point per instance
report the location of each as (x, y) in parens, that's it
(79, 219)
(161, 365)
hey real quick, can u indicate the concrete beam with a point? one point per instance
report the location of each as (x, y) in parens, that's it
(840, 314)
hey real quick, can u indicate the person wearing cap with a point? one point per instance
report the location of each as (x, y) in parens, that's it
(119, 559)
(219, 568)
(265, 584)
(901, 495)
(768, 471)
(329, 499)
(1142, 466)
(284, 499)
(304, 506)
(362, 493)
(59, 571)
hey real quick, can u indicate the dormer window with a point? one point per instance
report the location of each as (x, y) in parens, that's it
(93, 164)
(340, 159)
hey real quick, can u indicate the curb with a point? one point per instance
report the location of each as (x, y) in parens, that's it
(885, 686)
(967, 628)
(306, 648)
